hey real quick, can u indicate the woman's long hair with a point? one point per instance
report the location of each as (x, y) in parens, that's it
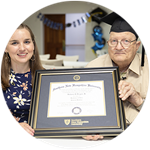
(35, 63)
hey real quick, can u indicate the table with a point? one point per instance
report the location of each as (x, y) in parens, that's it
(74, 143)
(75, 64)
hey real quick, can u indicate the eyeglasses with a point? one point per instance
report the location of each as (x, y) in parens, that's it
(125, 43)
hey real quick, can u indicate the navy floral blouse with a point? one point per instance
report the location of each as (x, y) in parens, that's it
(18, 95)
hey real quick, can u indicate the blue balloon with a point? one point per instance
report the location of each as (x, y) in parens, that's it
(97, 46)
(97, 35)
(100, 46)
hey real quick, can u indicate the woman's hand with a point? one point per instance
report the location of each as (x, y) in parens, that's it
(93, 137)
(27, 128)
(24, 125)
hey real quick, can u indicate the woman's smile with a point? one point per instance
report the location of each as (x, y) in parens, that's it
(22, 55)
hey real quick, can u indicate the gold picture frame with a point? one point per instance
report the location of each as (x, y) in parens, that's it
(57, 114)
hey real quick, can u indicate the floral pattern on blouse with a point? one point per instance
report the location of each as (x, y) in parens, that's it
(18, 95)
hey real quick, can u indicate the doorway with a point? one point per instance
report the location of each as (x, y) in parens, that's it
(54, 37)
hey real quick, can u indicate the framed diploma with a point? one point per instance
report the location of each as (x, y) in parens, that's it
(76, 102)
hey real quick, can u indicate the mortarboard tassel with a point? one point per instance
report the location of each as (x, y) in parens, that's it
(143, 55)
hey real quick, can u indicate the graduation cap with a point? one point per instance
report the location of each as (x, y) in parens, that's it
(97, 14)
(118, 24)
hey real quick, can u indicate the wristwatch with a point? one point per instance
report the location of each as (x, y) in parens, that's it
(141, 106)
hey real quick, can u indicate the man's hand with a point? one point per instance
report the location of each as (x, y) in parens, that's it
(94, 137)
(127, 90)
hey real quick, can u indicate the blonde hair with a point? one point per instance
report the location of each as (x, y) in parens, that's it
(35, 64)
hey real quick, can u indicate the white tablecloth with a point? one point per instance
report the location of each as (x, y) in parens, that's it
(74, 143)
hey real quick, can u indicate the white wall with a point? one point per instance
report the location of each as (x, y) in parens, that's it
(75, 35)
(65, 8)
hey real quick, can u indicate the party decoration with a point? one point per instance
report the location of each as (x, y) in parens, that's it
(57, 26)
(88, 15)
(78, 21)
(50, 23)
(68, 24)
(83, 20)
(96, 15)
(74, 23)
(97, 35)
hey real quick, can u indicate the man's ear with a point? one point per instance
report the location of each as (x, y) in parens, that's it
(138, 43)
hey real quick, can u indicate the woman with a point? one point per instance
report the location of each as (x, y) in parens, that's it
(19, 63)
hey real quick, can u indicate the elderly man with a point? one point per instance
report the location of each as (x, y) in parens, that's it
(122, 48)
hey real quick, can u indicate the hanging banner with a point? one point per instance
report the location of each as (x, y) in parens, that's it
(94, 15)
(50, 23)
(59, 26)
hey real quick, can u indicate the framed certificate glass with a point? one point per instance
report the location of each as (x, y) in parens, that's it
(76, 102)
